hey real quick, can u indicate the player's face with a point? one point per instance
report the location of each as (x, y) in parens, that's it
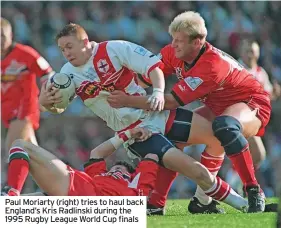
(118, 168)
(6, 37)
(73, 50)
(182, 45)
(249, 52)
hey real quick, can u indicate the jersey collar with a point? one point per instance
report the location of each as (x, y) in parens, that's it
(188, 66)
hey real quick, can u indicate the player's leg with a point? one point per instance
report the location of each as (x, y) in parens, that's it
(50, 173)
(257, 150)
(172, 158)
(22, 129)
(191, 128)
(165, 177)
(237, 123)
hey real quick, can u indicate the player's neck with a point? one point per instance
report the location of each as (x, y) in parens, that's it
(252, 64)
(194, 56)
(4, 53)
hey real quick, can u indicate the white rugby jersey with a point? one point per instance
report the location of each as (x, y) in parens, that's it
(112, 66)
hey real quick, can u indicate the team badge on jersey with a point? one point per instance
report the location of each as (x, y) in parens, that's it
(103, 66)
(193, 82)
(140, 50)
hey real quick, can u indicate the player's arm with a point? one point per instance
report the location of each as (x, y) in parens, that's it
(166, 67)
(110, 146)
(183, 92)
(118, 99)
(143, 62)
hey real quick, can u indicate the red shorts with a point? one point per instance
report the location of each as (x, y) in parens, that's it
(7, 117)
(261, 102)
(263, 106)
(81, 184)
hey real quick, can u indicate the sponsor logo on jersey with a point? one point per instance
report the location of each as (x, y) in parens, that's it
(140, 50)
(193, 82)
(178, 73)
(12, 72)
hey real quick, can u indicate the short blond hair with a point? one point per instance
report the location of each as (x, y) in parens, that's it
(191, 23)
(5, 23)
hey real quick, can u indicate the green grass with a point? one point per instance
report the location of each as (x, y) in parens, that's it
(178, 217)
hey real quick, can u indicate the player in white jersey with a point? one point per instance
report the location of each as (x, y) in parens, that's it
(100, 68)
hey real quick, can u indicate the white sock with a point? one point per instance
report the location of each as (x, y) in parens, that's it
(201, 196)
(236, 201)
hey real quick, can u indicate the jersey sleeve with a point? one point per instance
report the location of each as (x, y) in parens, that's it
(202, 82)
(166, 66)
(134, 57)
(95, 167)
(37, 63)
(29, 96)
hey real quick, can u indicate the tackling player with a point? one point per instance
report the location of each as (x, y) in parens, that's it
(58, 179)
(20, 64)
(97, 68)
(236, 101)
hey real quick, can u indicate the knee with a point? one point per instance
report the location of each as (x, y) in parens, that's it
(228, 131)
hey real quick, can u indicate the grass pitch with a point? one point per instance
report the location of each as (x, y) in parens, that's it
(178, 217)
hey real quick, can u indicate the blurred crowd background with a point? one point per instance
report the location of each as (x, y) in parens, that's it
(72, 135)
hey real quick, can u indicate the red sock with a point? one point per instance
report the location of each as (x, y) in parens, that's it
(18, 168)
(220, 190)
(165, 178)
(243, 165)
(212, 163)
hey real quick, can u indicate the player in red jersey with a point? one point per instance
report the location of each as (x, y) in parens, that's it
(20, 64)
(120, 180)
(240, 106)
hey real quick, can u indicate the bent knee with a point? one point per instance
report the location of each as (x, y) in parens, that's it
(228, 131)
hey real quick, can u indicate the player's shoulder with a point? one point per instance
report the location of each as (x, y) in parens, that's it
(167, 55)
(67, 68)
(210, 59)
(113, 44)
(27, 50)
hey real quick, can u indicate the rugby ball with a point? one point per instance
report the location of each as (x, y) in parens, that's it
(66, 88)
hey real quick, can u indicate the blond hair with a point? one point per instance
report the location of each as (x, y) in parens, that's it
(5, 23)
(191, 23)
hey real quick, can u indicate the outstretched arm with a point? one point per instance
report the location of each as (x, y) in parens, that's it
(110, 146)
(118, 99)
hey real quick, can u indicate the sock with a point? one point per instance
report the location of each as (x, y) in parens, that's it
(165, 178)
(213, 164)
(243, 165)
(18, 168)
(223, 192)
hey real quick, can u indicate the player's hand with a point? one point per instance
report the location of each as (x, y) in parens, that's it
(157, 100)
(49, 95)
(117, 99)
(140, 134)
